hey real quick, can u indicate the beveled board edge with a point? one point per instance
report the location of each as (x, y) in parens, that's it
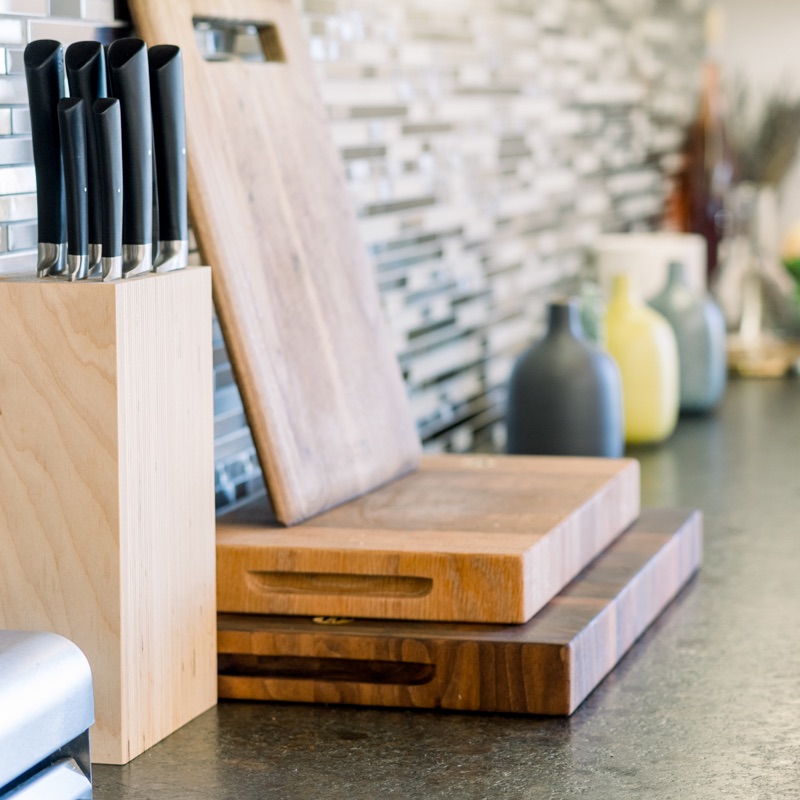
(596, 650)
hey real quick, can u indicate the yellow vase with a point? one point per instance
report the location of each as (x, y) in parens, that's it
(643, 344)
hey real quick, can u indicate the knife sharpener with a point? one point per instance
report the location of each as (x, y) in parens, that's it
(107, 491)
(46, 710)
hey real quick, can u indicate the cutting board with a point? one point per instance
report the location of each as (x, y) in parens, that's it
(467, 538)
(293, 287)
(547, 666)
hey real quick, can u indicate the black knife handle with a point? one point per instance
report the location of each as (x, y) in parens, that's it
(130, 84)
(169, 140)
(108, 130)
(86, 76)
(72, 124)
(44, 75)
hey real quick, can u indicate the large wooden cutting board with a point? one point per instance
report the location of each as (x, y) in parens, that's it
(547, 666)
(468, 538)
(293, 287)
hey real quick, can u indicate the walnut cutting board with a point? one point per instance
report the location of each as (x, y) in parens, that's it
(293, 287)
(469, 538)
(546, 666)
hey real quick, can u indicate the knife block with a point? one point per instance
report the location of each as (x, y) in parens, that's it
(107, 491)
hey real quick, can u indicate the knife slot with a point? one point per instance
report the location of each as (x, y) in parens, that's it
(332, 583)
(220, 39)
(350, 670)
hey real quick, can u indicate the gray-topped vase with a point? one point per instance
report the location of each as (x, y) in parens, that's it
(699, 327)
(565, 394)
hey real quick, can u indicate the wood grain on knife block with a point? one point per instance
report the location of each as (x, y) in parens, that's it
(546, 666)
(293, 288)
(471, 538)
(107, 491)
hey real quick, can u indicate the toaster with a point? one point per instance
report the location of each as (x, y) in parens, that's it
(46, 710)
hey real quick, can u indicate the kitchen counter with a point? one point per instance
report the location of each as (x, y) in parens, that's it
(706, 704)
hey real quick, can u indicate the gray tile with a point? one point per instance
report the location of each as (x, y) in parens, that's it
(18, 263)
(22, 236)
(15, 151)
(21, 120)
(361, 112)
(13, 90)
(14, 62)
(398, 205)
(66, 8)
(319, 6)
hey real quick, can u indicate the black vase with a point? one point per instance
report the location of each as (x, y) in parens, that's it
(565, 394)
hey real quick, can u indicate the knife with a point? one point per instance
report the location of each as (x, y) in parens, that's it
(130, 84)
(169, 140)
(86, 76)
(108, 135)
(44, 75)
(72, 124)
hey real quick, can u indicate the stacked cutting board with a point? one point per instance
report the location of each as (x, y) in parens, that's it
(373, 575)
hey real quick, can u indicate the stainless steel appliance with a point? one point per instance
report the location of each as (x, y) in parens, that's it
(46, 709)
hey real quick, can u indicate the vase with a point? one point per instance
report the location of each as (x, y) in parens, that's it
(565, 394)
(643, 344)
(699, 328)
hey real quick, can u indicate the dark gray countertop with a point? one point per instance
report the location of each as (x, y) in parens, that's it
(706, 704)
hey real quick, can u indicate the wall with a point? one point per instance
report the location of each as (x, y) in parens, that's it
(486, 145)
(758, 47)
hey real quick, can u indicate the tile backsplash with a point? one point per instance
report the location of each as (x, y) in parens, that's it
(486, 145)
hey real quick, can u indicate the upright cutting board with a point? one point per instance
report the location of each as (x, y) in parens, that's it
(293, 287)
(546, 666)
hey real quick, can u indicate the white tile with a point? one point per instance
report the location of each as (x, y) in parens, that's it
(28, 8)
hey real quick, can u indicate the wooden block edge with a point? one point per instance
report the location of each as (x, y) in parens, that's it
(686, 546)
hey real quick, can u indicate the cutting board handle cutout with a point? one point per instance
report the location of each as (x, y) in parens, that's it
(349, 670)
(332, 583)
(222, 39)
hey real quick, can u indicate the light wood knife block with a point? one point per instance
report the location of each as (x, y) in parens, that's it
(107, 491)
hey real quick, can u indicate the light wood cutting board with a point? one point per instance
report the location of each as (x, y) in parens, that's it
(547, 666)
(293, 287)
(467, 538)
